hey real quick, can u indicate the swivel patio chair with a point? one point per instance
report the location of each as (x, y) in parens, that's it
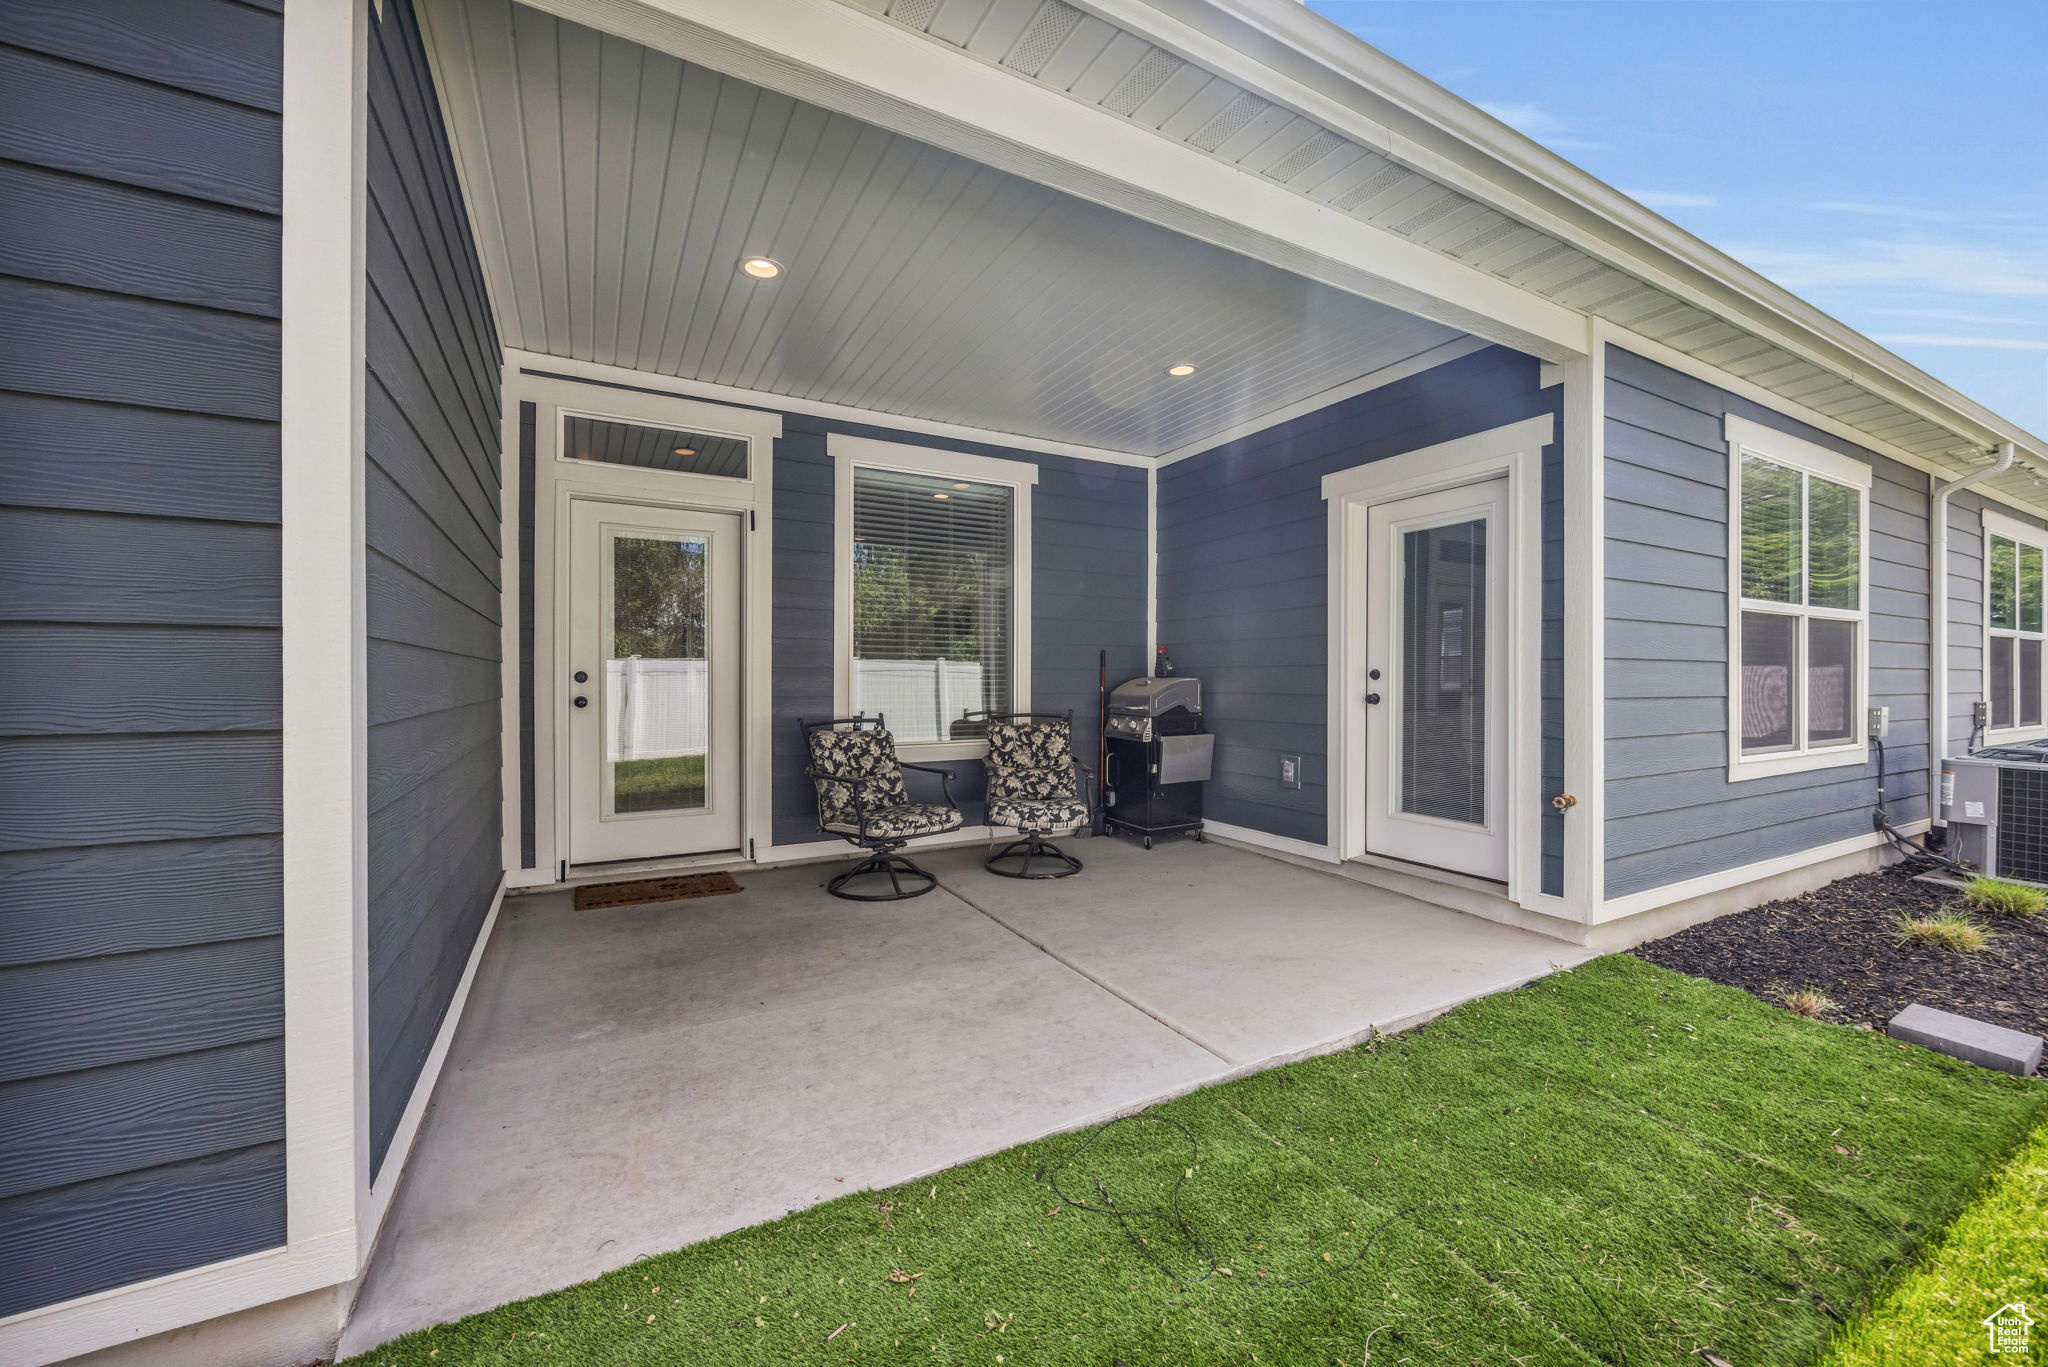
(863, 800)
(1036, 785)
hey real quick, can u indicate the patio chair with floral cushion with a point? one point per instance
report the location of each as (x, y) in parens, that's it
(862, 799)
(1036, 785)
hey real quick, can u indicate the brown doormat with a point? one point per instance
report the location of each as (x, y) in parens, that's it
(671, 889)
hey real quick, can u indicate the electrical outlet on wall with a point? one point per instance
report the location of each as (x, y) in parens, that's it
(1290, 771)
(1880, 724)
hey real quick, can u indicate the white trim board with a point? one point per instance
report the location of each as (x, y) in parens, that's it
(849, 453)
(1514, 450)
(324, 727)
(400, 1150)
(1443, 353)
(1265, 840)
(1649, 899)
(127, 1314)
(325, 719)
(673, 386)
(1585, 629)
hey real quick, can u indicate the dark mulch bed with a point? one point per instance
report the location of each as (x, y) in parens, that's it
(1841, 939)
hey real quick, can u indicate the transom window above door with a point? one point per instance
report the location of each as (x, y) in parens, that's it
(606, 442)
(934, 589)
(2014, 554)
(1800, 624)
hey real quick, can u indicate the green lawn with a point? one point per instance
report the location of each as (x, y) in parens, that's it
(1995, 1253)
(1615, 1165)
(655, 785)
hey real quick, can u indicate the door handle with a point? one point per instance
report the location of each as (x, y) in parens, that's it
(582, 701)
(1372, 699)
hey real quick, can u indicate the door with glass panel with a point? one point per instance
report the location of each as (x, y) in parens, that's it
(652, 681)
(1437, 679)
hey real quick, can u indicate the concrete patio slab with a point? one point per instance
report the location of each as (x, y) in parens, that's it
(631, 1080)
(1257, 960)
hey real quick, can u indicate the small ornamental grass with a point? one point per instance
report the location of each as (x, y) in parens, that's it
(1809, 1002)
(1944, 930)
(2000, 898)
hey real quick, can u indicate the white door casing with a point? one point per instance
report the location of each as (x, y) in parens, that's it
(1514, 453)
(654, 732)
(571, 389)
(1436, 631)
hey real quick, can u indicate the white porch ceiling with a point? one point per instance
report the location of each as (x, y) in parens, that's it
(616, 189)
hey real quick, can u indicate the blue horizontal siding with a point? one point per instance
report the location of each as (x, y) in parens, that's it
(432, 582)
(1244, 564)
(142, 1107)
(1672, 814)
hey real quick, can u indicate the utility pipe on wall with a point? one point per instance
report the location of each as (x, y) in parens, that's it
(1937, 621)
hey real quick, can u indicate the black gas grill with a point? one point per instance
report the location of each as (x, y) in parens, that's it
(1158, 758)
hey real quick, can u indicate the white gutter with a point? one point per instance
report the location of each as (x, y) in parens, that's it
(1937, 620)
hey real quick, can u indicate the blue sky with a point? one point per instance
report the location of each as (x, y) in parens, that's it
(1885, 159)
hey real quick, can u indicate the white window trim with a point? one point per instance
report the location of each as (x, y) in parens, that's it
(850, 453)
(2012, 529)
(1754, 439)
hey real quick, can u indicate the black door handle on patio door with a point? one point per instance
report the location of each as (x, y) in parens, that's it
(582, 701)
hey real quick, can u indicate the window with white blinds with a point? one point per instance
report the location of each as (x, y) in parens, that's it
(934, 568)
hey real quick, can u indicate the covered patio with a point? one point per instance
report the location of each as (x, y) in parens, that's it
(627, 1081)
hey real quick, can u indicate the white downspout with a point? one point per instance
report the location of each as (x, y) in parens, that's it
(1937, 620)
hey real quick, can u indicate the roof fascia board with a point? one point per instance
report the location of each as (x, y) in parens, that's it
(1663, 354)
(832, 55)
(1285, 52)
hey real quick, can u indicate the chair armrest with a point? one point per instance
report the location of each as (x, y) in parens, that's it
(856, 788)
(811, 771)
(1086, 784)
(945, 778)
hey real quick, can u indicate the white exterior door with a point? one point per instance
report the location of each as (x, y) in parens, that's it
(1436, 678)
(651, 686)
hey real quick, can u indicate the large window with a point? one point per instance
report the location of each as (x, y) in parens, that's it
(1799, 621)
(934, 584)
(2013, 554)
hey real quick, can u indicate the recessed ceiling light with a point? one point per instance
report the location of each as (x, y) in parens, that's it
(963, 486)
(941, 495)
(686, 450)
(762, 267)
(1180, 369)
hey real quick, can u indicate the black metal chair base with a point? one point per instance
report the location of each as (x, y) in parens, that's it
(887, 864)
(1032, 847)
